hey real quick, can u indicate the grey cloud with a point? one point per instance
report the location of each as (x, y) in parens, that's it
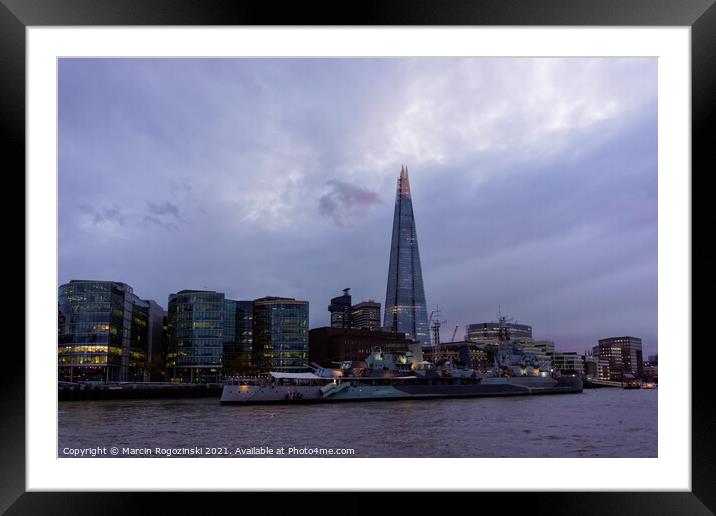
(343, 198)
(150, 220)
(165, 208)
(100, 215)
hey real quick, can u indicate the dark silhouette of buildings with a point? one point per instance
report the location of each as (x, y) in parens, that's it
(327, 346)
(340, 309)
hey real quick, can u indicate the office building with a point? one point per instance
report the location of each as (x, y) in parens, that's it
(366, 315)
(619, 358)
(107, 333)
(340, 310)
(154, 370)
(405, 307)
(490, 331)
(196, 336)
(209, 336)
(589, 363)
(568, 362)
(238, 337)
(280, 339)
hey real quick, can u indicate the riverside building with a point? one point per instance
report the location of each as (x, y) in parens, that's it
(238, 337)
(196, 336)
(280, 334)
(619, 358)
(107, 333)
(209, 336)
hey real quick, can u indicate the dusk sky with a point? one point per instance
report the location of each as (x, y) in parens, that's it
(534, 183)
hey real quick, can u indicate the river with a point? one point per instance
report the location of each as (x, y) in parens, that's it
(596, 423)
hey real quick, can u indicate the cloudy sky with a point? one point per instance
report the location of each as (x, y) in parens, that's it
(534, 183)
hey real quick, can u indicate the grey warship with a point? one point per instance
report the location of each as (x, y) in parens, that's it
(395, 376)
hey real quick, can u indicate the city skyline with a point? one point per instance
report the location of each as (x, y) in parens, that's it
(208, 174)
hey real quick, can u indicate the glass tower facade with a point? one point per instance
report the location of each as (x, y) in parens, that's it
(405, 307)
(238, 337)
(103, 332)
(195, 329)
(280, 334)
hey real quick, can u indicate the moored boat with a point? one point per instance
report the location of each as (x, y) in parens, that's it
(389, 376)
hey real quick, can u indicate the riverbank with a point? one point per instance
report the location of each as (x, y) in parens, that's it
(137, 391)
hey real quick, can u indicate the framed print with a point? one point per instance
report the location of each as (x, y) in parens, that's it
(219, 196)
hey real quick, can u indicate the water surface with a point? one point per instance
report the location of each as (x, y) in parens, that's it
(596, 423)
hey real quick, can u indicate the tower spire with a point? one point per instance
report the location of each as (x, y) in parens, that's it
(404, 182)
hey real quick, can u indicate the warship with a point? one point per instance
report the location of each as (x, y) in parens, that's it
(384, 376)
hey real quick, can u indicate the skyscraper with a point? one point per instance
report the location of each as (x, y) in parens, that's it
(340, 309)
(405, 307)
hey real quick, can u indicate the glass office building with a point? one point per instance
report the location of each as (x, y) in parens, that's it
(195, 329)
(280, 334)
(490, 331)
(405, 307)
(238, 337)
(104, 332)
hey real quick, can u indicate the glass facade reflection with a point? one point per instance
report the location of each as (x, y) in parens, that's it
(405, 307)
(103, 332)
(280, 334)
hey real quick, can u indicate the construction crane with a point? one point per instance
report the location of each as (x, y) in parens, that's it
(454, 333)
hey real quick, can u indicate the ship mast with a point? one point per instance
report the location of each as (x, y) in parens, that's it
(435, 324)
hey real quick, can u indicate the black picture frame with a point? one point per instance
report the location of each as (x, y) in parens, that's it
(700, 15)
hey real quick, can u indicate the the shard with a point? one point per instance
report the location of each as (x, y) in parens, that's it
(405, 307)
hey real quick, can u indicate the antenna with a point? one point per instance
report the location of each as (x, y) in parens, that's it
(502, 328)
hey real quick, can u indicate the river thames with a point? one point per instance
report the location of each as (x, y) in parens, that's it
(596, 423)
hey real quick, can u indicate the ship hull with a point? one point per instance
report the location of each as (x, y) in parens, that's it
(303, 394)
